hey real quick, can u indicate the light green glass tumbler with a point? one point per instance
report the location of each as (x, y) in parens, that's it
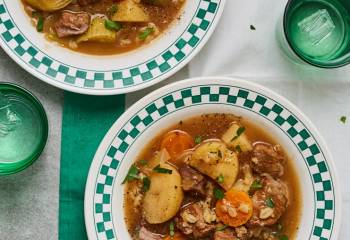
(316, 32)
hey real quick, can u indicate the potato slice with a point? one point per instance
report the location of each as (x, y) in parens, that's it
(97, 32)
(159, 158)
(233, 138)
(49, 5)
(130, 11)
(163, 200)
(212, 158)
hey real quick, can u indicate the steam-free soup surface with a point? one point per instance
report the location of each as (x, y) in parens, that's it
(263, 201)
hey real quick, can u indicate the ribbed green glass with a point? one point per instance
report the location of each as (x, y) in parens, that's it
(23, 128)
(318, 31)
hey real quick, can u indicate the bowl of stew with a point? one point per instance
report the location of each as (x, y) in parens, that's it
(213, 158)
(105, 47)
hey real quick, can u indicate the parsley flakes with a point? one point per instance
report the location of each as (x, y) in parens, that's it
(111, 25)
(143, 162)
(133, 174)
(221, 228)
(238, 149)
(239, 132)
(172, 229)
(218, 193)
(269, 202)
(159, 169)
(343, 119)
(256, 185)
(220, 178)
(146, 184)
(40, 23)
(283, 237)
(198, 139)
(112, 10)
(145, 33)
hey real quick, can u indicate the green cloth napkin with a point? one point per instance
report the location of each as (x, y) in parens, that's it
(86, 120)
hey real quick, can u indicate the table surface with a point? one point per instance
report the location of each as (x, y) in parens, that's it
(29, 199)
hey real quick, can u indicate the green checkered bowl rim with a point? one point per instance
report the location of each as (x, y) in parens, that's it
(18, 45)
(205, 92)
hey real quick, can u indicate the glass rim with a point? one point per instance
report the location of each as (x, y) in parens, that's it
(301, 57)
(17, 166)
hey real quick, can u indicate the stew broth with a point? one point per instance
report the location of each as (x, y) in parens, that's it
(209, 127)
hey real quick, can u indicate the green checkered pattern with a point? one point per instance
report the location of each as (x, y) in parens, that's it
(226, 95)
(154, 68)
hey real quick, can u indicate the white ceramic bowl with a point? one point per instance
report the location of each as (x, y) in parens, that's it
(104, 215)
(107, 75)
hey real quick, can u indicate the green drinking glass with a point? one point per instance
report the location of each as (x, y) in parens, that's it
(23, 128)
(317, 32)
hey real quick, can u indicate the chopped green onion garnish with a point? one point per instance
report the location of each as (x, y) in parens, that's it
(132, 174)
(145, 33)
(198, 139)
(239, 132)
(146, 183)
(269, 202)
(172, 229)
(158, 169)
(111, 25)
(256, 185)
(40, 24)
(220, 178)
(218, 193)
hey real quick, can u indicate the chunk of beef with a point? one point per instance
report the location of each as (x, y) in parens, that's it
(192, 221)
(87, 2)
(255, 231)
(145, 234)
(268, 159)
(72, 23)
(269, 236)
(227, 234)
(269, 203)
(195, 183)
(209, 194)
(192, 180)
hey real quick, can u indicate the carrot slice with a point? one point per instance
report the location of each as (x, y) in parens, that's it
(175, 142)
(177, 236)
(235, 209)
